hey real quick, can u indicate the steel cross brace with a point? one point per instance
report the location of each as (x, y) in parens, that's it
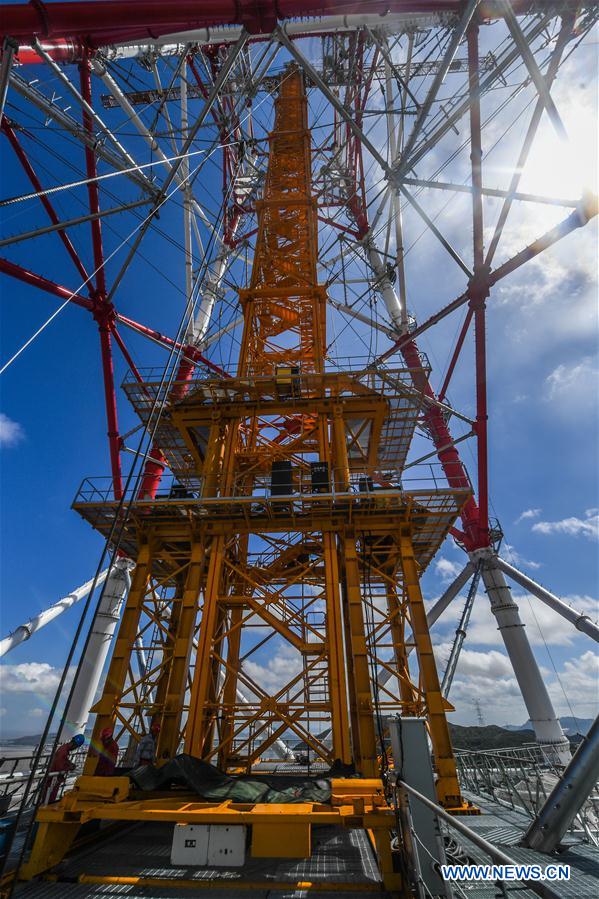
(163, 192)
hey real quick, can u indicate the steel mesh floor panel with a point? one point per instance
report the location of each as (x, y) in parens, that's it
(504, 827)
(144, 850)
(78, 890)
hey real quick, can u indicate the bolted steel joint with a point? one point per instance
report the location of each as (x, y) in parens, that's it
(479, 286)
(103, 311)
(258, 16)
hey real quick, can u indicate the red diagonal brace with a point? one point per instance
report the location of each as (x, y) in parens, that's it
(30, 172)
(35, 280)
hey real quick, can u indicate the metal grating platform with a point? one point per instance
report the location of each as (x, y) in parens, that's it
(339, 857)
(206, 393)
(433, 512)
(504, 827)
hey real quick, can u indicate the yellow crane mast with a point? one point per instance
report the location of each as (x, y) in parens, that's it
(291, 535)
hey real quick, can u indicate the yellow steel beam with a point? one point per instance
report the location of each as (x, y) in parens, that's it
(170, 693)
(363, 733)
(448, 789)
(309, 886)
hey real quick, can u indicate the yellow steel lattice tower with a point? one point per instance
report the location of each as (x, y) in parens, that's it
(276, 590)
(288, 536)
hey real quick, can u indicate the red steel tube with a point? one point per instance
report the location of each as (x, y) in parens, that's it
(103, 313)
(155, 465)
(114, 440)
(74, 19)
(479, 287)
(99, 22)
(35, 280)
(127, 355)
(35, 181)
(456, 355)
(92, 185)
(448, 455)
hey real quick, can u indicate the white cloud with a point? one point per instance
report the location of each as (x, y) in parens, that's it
(31, 677)
(574, 527)
(476, 664)
(447, 569)
(284, 665)
(579, 681)
(572, 387)
(36, 713)
(2, 711)
(516, 558)
(543, 625)
(528, 513)
(489, 678)
(11, 431)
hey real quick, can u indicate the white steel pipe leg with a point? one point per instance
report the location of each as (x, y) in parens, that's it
(88, 679)
(580, 621)
(547, 728)
(567, 797)
(385, 287)
(25, 631)
(450, 594)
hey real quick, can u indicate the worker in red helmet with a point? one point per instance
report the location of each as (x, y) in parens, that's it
(60, 766)
(107, 753)
(146, 748)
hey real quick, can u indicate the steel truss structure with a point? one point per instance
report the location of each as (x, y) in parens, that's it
(321, 192)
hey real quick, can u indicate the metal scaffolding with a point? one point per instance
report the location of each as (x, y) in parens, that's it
(280, 148)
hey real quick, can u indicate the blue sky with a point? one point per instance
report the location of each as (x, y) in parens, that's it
(542, 359)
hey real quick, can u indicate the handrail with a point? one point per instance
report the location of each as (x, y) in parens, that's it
(497, 855)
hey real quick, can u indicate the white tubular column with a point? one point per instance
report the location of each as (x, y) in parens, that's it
(199, 326)
(25, 631)
(173, 44)
(88, 679)
(548, 730)
(567, 797)
(580, 621)
(450, 594)
(384, 286)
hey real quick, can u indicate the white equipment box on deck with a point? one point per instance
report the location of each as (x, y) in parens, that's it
(212, 845)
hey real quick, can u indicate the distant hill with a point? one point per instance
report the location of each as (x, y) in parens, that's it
(489, 737)
(26, 741)
(570, 725)
(473, 738)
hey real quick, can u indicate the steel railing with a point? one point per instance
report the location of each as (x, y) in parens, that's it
(522, 778)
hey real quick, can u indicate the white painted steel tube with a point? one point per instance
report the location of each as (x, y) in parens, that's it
(547, 728)
(25, 631)
(173, 44)
(450, 594)
(580, 621)
(210, 295)
(109, 82)
(567, 797)
(90, 671)
(384, 286)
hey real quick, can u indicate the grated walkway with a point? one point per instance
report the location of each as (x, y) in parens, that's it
(339, 857)
(504, 827)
